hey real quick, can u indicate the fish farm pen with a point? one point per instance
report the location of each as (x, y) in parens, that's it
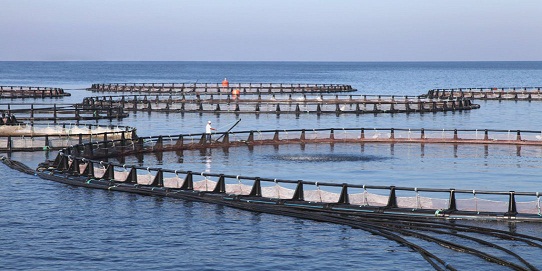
(61, 112)
(512, 93)
(217, 88)
(76, 165)
(35, 137)
(281, 104)
(94, 156)
(12, 92)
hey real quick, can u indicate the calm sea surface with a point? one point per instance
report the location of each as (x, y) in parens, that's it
(50, 226)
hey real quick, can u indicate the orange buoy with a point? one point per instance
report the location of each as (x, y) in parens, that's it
(235, 92)
(225, 83)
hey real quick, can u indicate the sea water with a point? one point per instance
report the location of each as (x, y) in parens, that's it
(46, 225)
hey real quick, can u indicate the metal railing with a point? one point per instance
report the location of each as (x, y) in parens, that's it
(348, 197)
(31, 137)
(278, 105)
(31, 92)
(508, 93)
(219, 88)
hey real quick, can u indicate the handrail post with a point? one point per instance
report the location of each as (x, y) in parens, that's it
(220, 185)
(276, 136)
(188, 181)
(109, 172)
(512, 210)
(344, 199)
(158, 179)
(159, 145)
(226, 138)
(452, 204)
(46, 143)
(180, 142)
(10, 144)
(89, 170)
(392, 199)
(132, 176)
(256, 188)
(298, 194)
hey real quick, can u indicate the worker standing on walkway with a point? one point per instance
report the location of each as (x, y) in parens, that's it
(225, 85)
(208, 131)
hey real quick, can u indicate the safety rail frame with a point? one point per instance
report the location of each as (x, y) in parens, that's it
(12, 92)
(10, 145)
(219, 88)
(72, 165)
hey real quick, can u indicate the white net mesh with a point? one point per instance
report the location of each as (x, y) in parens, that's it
(529, 207)
(173, 182)
(321, 196)
(99, 172)
(481, 205)
(238, 189)
(120, 176)
(368, 199)
(205, 185)
(82, 168)
(419, 202)
(277, 192)
(145, 179)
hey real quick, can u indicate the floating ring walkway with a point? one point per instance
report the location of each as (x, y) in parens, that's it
(34, 137)
(76, 165)
(421, 214)
(500, 94)
(217, 88)
(61, 112)
(283, 104)
(13, 92)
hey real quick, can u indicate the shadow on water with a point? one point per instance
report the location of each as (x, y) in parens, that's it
(327, 157)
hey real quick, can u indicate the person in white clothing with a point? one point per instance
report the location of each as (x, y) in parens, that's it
(208, 131)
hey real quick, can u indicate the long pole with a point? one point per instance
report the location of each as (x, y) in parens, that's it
(228, 130)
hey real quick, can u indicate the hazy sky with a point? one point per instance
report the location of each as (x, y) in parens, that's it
(272, 30)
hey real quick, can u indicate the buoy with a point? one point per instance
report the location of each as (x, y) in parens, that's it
(225, 83)
(235, 92)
